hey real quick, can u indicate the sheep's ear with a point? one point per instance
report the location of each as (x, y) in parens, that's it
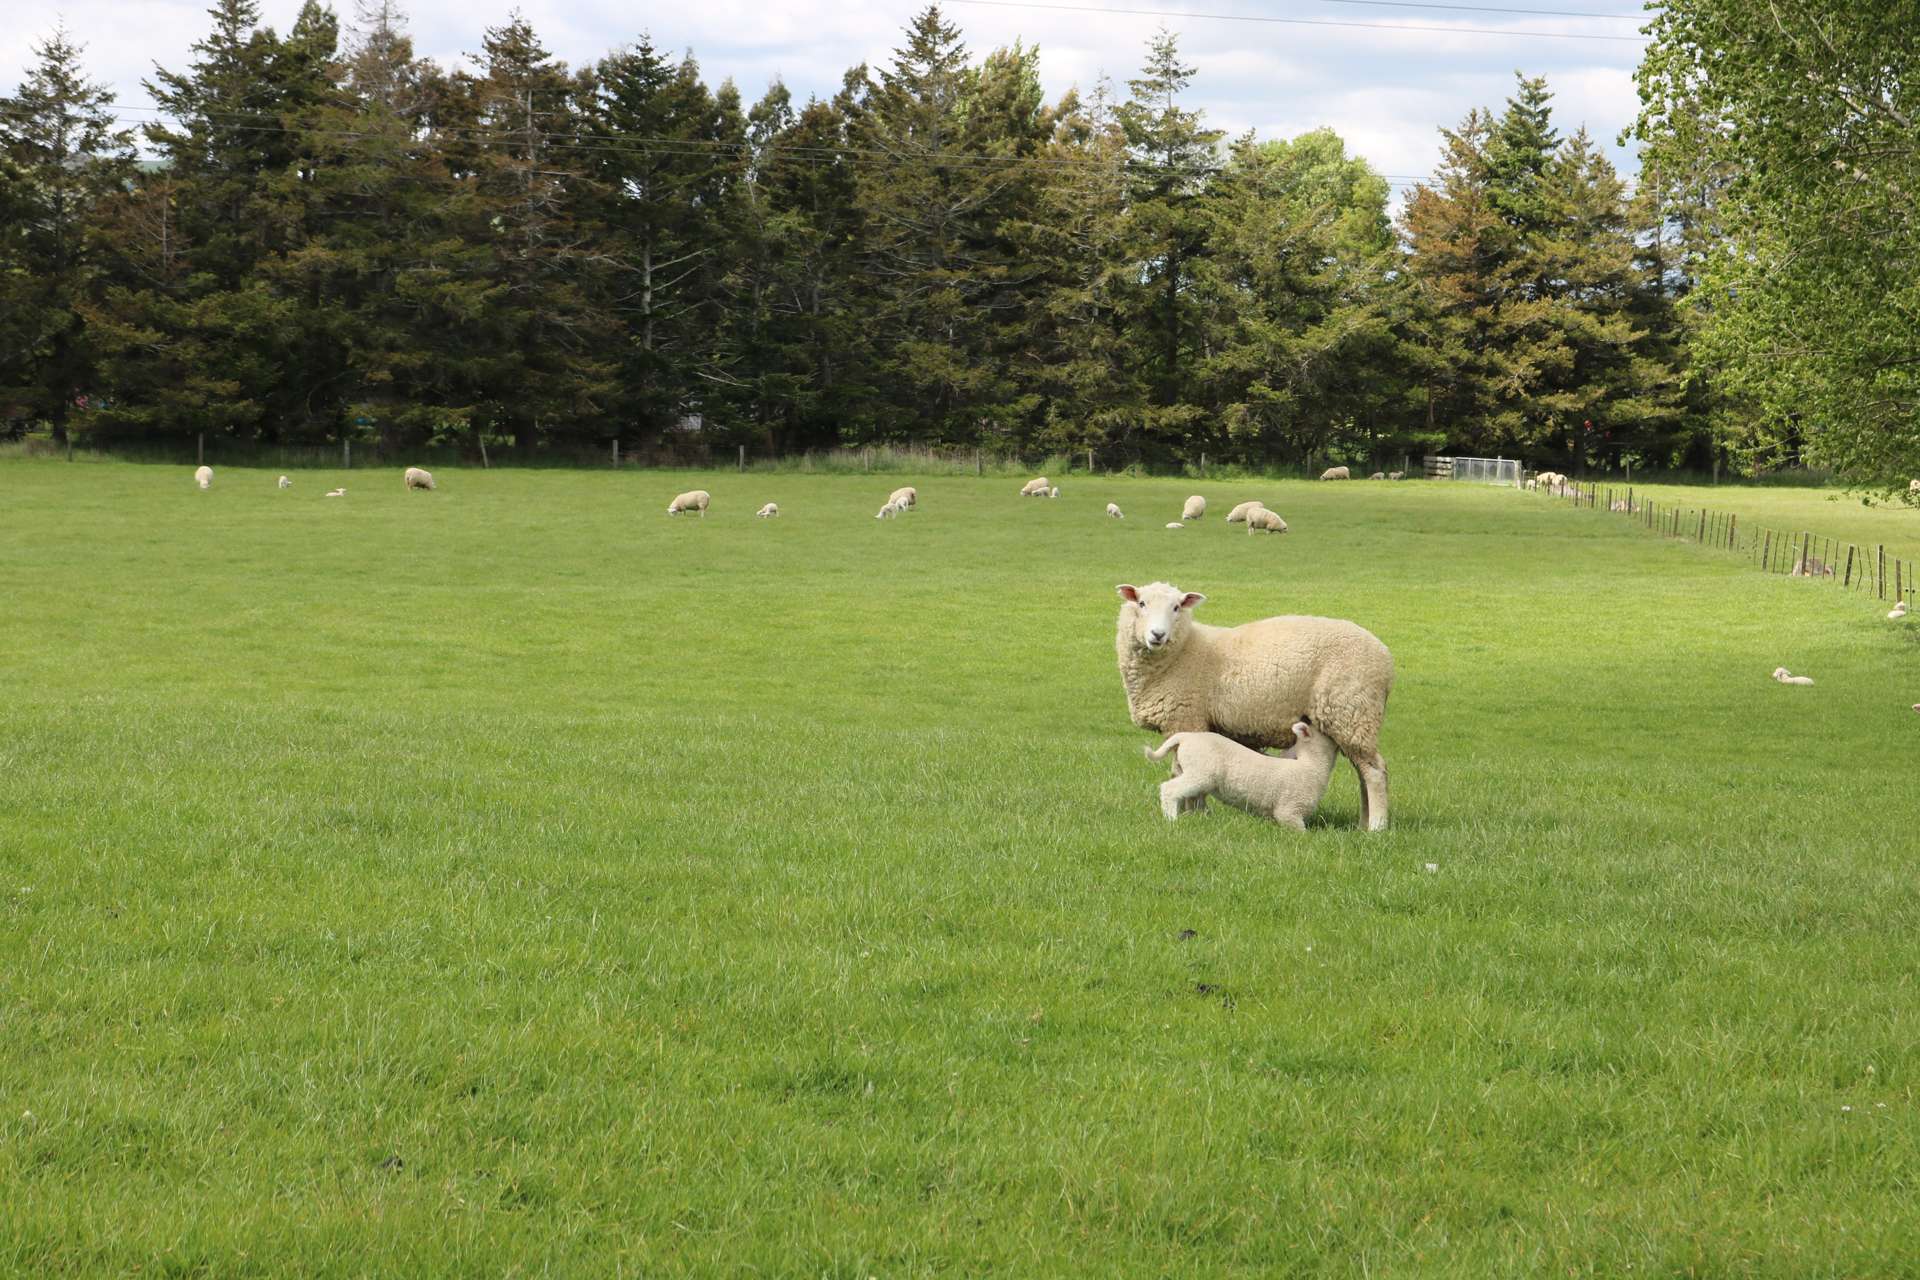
(1129, 593)
(1192, 600)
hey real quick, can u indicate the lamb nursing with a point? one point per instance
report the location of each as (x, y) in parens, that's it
(1252, 683)
(1286, 788)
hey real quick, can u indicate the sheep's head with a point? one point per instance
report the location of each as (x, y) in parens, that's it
(1156, 613)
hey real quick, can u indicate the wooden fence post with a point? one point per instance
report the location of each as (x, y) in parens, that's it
(979, 468)
(616, 453)
(1089, 461)
(1848, 580)
(1731, 522)
(1880, 578)
(743, 457)
(200, 451)
(1700, 534)
(346, 455)
(1766, 554)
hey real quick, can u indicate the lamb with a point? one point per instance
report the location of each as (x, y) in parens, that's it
(1898, 611)
(889, 511)
(1239, 513)
(1114, 512)
(1034, 487)
(1196, 508)
(905, 498)
(418, 478)
(691, 500)
(1286, 788)
(1378, 475)
(1175, 524)
(771, 509)
(285, 483)
(1396, 475)
(1253, 682)
(1336, 473)
(203, 477)
(1807, 566)
(1785, 676)
(335, 493)
(1261, 518)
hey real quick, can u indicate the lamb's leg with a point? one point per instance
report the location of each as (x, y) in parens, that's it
(1176, 795)
(1373, 790)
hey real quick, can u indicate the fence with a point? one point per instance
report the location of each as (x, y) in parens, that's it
(1854, 567)
(1476, 470)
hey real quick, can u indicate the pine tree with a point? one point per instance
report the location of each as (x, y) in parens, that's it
(65, 158)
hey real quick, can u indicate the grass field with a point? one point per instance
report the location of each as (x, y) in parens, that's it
(511, 880)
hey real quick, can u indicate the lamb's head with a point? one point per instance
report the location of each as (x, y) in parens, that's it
(1154, 616)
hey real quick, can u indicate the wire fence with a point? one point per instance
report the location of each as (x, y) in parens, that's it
(1860, 568)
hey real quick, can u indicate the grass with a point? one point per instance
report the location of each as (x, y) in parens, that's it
(510, 880)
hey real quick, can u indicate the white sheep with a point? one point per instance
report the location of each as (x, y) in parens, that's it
(203, 477)
(1239, 513)
(1114, 512)
(1261, 518)
(1396, 475)
(771, 509)
(1175, 524)
(1898, 611)
(1034, 487)
(418, 478)
(335, 493)
(1378, 475)
(1053, 491)
(1913, 486)
(285, 483)
(1336, 473)
(889, 511)
(691, 500)
(906, 498)
(1785, 676)
(1253, 682)
(1286, 788)
(1196, 508)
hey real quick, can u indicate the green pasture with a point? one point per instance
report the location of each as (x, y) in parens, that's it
(512, 881)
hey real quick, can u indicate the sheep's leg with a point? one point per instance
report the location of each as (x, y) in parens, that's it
(1177, 796)
(1373, 790)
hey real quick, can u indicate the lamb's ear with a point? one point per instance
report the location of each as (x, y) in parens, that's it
(1302, 730)
(1129, 593)
(1192, 600)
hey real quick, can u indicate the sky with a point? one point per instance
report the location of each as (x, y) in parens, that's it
(1387, 81)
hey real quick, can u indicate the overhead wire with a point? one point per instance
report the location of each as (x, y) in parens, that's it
(1302, 22)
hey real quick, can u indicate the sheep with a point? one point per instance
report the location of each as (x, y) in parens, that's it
(335, 493)
(1054, 491)
(1261, 518)
(285, 483)
(203, 477)
(1034, 487)
(1175, 524)
(1533, 483)
(1114, 512)
(905, 498)
(1898, 611)
(691, 500)
(1618, 504)
(771, 509)
(1378, 475)
(1196, 508)
(1785, 676)
(1913, 486)
(889, 511)
(1286, 788)
(1807, 566)
(1254, 681)
(1396, 475)
(418, 478)
(1239, 513)
(1336, 473)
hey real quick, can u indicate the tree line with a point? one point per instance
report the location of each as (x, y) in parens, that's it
(324, 237)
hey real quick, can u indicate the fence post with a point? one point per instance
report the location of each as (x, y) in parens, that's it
(1203, 464)
(616, 453)
(979, 468)
(1732, 521)
(346, 455)
(200, 450)
(484, 464)
(743, 457)
(1766, 554)
(1848, 580)
(1089, 461)
(1880, 578)
(1700, 534)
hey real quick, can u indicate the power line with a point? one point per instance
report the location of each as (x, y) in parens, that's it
(1483, 8)
(1305, 22)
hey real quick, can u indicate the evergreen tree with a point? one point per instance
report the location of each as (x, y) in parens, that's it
(62, 157)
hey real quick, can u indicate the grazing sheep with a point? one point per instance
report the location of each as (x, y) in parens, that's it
(1034, 487)
(906, 498)
(1113, 510)
(771, 509)
(692, 500)
(1396, 475)
(1254, 681)
(1286, 788)
(203, 477)
(285, 483)
(1196, 508)
(1261, 518)
(335, 493)
(889, 511)
(1810, 567)
(1239, 513)
(1336, 473)
(1378, 475)
(418, 478)
(1785, 676)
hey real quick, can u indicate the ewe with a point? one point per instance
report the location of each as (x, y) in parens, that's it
(1254, 681)
(1261, 518)
(1286, 788)
(771, 509)
(1335, 473)
(1034, 487)
(692, 500)
(203, 477)
(1239, 513)
(418, 478)
(1196, 507)
(905, 498)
